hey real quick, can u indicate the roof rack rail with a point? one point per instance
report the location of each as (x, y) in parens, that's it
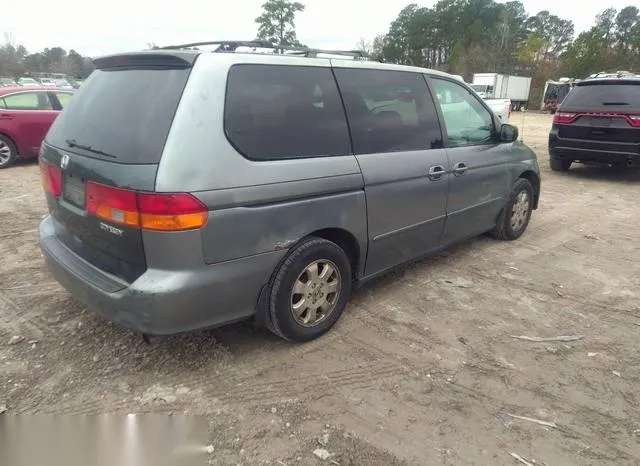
(223, 45)
(233, 45)
(614, 74)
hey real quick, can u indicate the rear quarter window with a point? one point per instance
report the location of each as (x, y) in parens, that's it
(284, 112)
(613, 95)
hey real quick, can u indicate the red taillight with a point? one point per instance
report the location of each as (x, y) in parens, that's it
(171, 211)
(51, 179)
(113, 204)
(151, 211)
(633, 120)
(564, 118)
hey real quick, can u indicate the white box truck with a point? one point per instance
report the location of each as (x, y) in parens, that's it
(503, 86)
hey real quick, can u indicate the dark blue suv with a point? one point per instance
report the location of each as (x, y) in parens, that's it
(598, 122)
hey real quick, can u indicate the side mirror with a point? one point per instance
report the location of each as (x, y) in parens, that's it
(508, 133)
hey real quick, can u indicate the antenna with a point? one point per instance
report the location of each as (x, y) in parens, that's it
(524, 112)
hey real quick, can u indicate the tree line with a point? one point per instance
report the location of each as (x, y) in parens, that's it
(468, 36)
(458, 36)
(16, 61)
(471, 36)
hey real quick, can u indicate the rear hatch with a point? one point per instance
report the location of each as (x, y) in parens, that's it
(601, 110)
(102, 154)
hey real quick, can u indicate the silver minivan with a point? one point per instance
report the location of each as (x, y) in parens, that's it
(192, 188)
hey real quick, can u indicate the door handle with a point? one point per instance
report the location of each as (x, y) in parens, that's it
(436, 172)
(6, 116)
(459, 168)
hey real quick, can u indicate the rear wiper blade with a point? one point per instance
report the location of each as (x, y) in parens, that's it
(616, 103)
(73, 143)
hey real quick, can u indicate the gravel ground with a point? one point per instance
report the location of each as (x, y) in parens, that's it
(423, 367)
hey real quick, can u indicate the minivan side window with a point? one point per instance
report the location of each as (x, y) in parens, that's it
(389, 111)
(284, 112)
(467, 121)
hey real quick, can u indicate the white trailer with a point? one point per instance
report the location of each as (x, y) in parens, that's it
(503, 86)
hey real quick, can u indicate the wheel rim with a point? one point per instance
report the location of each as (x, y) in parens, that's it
(520, 211)
(315, 293)
(5, 152)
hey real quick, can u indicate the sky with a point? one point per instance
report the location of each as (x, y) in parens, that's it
(113, 26)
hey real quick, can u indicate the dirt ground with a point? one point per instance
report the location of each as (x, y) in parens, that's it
(423, 368)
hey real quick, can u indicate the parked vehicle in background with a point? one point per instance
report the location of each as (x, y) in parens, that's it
(63, 84)
(501, 107)
(25, 117)
(598, 122)
(76, 83)
(47, 82)
(8, 82)
(555, 92)
(502, 86)
(170, 212)
(28, 82)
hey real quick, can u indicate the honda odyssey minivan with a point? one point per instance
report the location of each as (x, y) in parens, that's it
(191, 188)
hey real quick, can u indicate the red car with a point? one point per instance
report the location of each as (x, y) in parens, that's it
(25, 117)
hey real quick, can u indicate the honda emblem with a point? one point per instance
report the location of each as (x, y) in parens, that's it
(64, 161)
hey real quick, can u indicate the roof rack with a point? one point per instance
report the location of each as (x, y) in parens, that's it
(233, 45)
(614, 74)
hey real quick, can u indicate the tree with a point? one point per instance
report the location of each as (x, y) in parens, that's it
(365, 46)
(628, 32)
(587, 54)
(556, 33)
(612, 44)
(377, 47)
(73, 63)
(276, 24)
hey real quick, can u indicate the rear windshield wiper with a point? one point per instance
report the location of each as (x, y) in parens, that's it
(73, 143)
(616, 103)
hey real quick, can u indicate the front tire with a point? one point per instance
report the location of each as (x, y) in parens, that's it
(559, 164)
(515, 216)
(8, 152)
(309, 291)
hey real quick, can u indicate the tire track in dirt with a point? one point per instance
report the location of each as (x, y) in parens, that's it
(13, 316)
(231, 390)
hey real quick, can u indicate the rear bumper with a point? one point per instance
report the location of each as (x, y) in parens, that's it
(616, 153)
(162, 302)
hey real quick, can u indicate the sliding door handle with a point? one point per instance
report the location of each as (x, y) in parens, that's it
(436, 172)
(459, 168)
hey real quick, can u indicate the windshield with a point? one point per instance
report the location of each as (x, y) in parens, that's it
(124, 113)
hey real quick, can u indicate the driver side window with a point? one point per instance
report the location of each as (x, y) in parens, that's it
(467, 122)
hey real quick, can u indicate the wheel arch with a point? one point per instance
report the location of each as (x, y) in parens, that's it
(534, 179)
(347, 241)
(341, 237)
(12, 139)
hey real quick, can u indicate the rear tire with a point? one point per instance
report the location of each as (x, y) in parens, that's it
(515, 216)
(559, 164)
(309, 291)
(8, 152)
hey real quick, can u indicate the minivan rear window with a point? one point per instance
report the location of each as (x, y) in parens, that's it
(613, 95)
(122, 115)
